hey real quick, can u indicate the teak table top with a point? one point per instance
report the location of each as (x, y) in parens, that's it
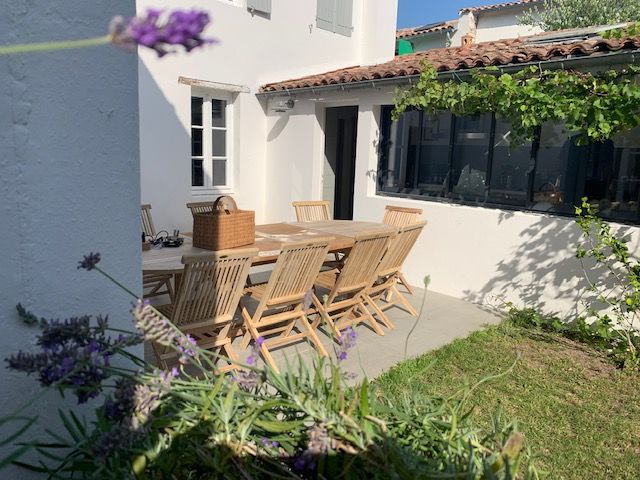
(269, 241)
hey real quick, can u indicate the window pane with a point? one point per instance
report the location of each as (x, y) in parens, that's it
(218, 117)
(196, 111)
(399, 152)
(509, 168)
(219, 143)
(612, 176)
(196, 142)
(470, 157)
(557, 167)
(433, 176)
(219, 172)
(197, 174)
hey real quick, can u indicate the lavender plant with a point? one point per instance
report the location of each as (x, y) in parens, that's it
(253, 424)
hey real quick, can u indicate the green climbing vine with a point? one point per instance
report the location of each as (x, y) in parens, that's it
(595, 106)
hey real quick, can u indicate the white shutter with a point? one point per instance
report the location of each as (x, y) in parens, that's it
(325, 16)
(263, 6)
(344, 17)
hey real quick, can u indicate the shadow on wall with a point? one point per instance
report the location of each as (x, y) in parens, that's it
(278, 127)
(542, 271)
(165, 155)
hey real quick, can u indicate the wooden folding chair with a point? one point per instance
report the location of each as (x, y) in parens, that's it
(281, 299)
(384, 293)
(153, 284)
(312, 211)
(401, 217)
(208, 299)
(344, 305)
(146, 220)
(200, 207)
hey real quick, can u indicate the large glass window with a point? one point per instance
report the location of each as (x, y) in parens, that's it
(612, 177)
(210, 122)
(472, 160)
(415, 153)
(471, 149)
(510, 167)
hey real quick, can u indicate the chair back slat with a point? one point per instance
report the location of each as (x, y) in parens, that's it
(399, 249)
(211, 286)
(311, 211)
(200, 207)
(146, 220)
(401, 216)
(295, 271)
(361, 264)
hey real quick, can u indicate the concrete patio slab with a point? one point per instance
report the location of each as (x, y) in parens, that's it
(443, 319)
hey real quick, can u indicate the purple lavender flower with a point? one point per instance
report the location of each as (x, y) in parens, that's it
(157, 329)
(347, 341)
(319, 444)
(251, 379)
(89, 261)
(181, 27)
(73, 355)
(255, 352)
(248, 380)
(131, 407)
(269, 443)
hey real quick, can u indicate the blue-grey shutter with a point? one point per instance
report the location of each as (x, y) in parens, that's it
(344, 17)
(325, 16)
(263, 6)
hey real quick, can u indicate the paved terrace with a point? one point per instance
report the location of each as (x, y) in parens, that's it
(443, 319)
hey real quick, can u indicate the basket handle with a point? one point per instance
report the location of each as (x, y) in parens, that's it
(219, 203)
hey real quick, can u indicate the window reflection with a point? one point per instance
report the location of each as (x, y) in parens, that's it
(510, 167)
(612, 177)
(433, 176)
(471, 157)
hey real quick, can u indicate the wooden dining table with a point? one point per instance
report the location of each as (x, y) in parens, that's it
(269, 241)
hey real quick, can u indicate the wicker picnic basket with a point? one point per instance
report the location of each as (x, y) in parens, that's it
(224, 227)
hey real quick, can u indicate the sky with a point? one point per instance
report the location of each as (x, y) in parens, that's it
(413, 13)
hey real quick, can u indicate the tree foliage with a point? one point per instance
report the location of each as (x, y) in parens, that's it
(595, 106)
(561, 14)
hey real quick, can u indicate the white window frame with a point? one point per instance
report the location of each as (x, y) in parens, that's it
(207, 165)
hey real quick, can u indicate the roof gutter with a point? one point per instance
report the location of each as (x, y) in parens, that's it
(592, 60)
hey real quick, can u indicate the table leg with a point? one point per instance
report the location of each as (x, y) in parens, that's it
(177, 280)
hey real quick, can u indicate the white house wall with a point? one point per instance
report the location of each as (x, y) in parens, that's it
(484, 255)
(252, 50)
(68, 184)
(494, 25)
(502, 24)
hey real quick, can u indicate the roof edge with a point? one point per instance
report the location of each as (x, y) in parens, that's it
(399, 80)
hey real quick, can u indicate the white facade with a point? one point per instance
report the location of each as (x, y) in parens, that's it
(253, 49)
(485, 255)
(68, 183)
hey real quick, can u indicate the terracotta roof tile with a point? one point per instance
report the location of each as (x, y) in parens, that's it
(505, 52)
(497, 6)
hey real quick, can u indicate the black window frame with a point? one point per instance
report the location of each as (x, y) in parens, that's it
(450, 198)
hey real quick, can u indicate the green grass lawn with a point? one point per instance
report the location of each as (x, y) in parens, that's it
(580, 415)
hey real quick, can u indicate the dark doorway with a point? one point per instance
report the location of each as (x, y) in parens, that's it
(341, 127)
